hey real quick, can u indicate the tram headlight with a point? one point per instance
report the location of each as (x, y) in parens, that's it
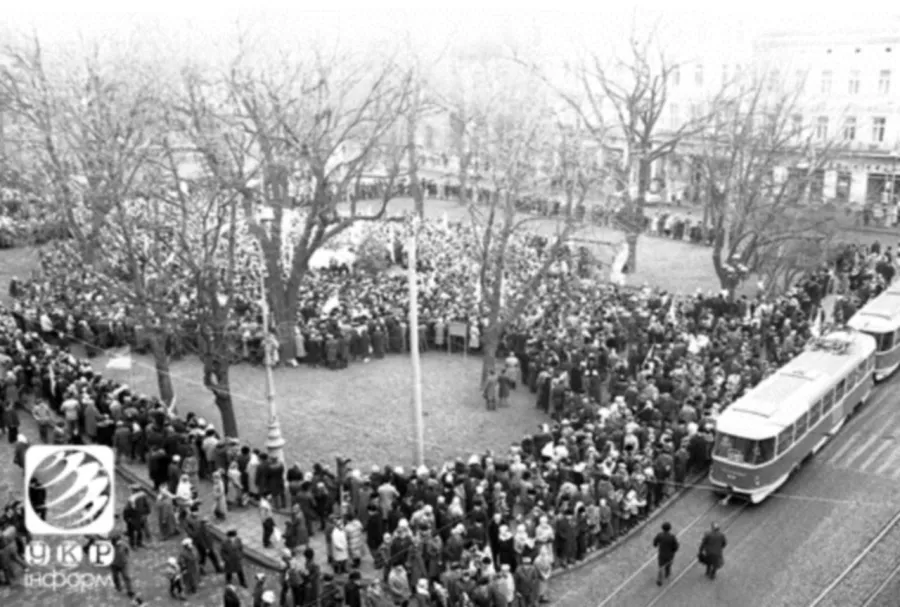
(756, 480)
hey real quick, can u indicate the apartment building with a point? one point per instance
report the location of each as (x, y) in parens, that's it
(850, 91)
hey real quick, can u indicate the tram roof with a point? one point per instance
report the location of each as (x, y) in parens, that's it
(881, 314)
(779, 399)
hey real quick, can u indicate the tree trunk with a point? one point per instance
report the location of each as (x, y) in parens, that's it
(283, 305)
(463, 178)
(631, 239)
(489, 343)
(163, 373)
(215, 377)
(226, 410)
(637, 212)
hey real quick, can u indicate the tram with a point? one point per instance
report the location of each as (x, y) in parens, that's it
(880, 318)
(763, 437)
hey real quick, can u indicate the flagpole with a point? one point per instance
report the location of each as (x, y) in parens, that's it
(418, 418)
(274, 441)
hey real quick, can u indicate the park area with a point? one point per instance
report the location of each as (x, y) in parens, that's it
(364, 412)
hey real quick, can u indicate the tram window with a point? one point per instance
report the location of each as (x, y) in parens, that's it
(887, 342)
(765, 451)
(744, 451)
(871, 362)
(785, 439)
(861, 371)
(800, 426)
(839, 391)
(829, 400)
(815, 414)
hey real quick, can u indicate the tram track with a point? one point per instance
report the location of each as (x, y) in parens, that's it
(876, 596)
(862, 582)
(609, 600)
(730, 523)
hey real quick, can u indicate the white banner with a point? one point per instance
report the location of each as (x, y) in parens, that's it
(120, 361)
(830, 187)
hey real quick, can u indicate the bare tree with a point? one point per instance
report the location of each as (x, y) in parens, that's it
(317, 123)
(201, 225)
(622, 104)
(467, 97)
(90, 130)
(759, 166)
(527, 147)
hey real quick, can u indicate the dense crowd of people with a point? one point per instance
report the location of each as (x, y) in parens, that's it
(632, 381)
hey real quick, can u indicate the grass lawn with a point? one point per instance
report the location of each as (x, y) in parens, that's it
(364, 412)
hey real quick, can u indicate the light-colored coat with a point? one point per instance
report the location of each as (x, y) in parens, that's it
(339, 545)
(354, 533)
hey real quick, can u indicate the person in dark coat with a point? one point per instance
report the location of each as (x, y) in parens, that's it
(230, 597)
(233, 558)
(353, 590)
(713, 550)
(666, 545)
(157, 466)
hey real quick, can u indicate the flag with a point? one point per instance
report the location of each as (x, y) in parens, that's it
(120, 361)
(52, 378)
(671, 316)
(616, 272)
(390, 243)
(649, 355)
(445, 221)
(172, 411)
(828, 304)
(332, 303)
(816, 329)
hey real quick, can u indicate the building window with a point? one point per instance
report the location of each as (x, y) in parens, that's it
(822, 127)
(853, 85)
(797, 123)
(878, 126)
(698, 75)
(884, 82)
(826, 82)
(676, 75)
(849, 129)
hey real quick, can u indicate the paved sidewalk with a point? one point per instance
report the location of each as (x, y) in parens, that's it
(247, 522)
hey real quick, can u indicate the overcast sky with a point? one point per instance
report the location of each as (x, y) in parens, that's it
(202, 27)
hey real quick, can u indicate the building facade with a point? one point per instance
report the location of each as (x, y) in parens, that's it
(850, 93)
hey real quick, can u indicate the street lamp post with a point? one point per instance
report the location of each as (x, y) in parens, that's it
(418, 418)
(274, 440)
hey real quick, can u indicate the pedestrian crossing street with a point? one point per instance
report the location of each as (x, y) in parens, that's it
(871, 446)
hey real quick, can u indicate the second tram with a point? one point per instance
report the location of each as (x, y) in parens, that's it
(880, 318)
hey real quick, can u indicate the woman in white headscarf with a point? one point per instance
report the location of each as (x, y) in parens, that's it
(543, 539)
